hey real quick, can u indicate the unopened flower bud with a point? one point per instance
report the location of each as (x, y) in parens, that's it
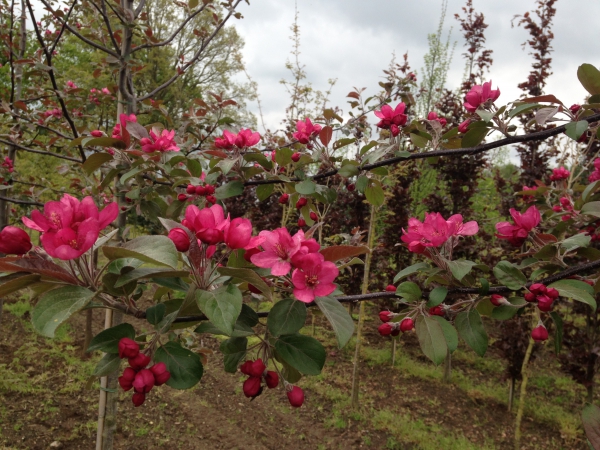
(539, 333)
(498, 300)
(385, 329)
(126, 380)
(138, 398)
(251, 387)
(301, 202)
(386, 316)
(284, 199)
(301, 223)
(313, 216)
(139, 361)
(272, 379)
(182, 197)
(407, 325)
(390, 288)
(296, 397)
(128, 348)
(296, 157)
(144, 381)
(161, 374)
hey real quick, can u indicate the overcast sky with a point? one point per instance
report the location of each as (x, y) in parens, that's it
(353, 41)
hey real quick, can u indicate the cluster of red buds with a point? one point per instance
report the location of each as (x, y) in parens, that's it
(591, 231)
(9, 166)
(559, 174)
(388, 328)
(565, 205)
(433, 116)
(543, 295)
(257, 371)
(136, 376)
(200, 191)
(53, 113)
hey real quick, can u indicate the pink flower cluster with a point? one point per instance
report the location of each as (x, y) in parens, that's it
(71, 85)
(524, 223)
(163, 142)
(306, 130)
(57, 113)
(312, 275)
(480, 96)
(543, 295)
(244, 138)
(256, 371)
(595, 175)
(435, 231)
(136, 376)
(8, 165)
(392, 119)
(559, 174)
(70, 227)
(566, 204)
(433, 116)
(117, 132)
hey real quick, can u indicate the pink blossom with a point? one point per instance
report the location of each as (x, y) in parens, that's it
(246, 138)
(105, 91)
(435, 231)
(559, 174)
(238, 233)
(120, 129)
(433, 116)
(464, 126)
(306, 130)
(458, 228)
(480, 95)
(227, 141)
(313, 277)
(391, 116)
(278, 249)
(208, 224)
(68, 243)
(524, 223)
(71, 85)
(164, 142)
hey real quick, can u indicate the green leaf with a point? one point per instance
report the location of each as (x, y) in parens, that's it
(248, 316)
(145, 272)
(156, 313)
(240, 329)
(234, 350)
(194, 167)
(18, 283)
(375, 195)
(486, 116)
(418, 140)
(185, 366)
(222, 306)
(431, 339)
(450, 333)
(348, 170)
(591, 209)
(231, 189)
(558, 331)
(108, 364)
(485, 286)
(577, 290)
(361, 183)
(306, 187)
(460, 268)
(108, 340)
(158, 250)
(589, 78)
(474, 136)
(338, 317)
(470, 327)
(249, 276)
(58, 305)
(95, 161)
(409, 291)
(303, 353)
(410, 270)
(286, 317)
(523, 108)
(576, 241)
(591, 424)
(437, 296)
(264, 191)
(575, 129)
(509, 275)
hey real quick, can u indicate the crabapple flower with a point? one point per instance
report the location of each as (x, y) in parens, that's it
(143, 382)
(246, 138)
(278, 249)
(126, 380)
(71, 85)
(14, 241)
(464, 126)
(238, 233)
(227, 141)
(524, 223)
(208, 224)
(391, 116)
(251, 387)
(559, 174)
(435, 231)
(128, 348)
(480, 95)
(296, 396)
(164, 142)
(313, 277)
(433, 116)
(180, 238)
(539, 333)
(161, 374)
(305, 130)
(118, 132)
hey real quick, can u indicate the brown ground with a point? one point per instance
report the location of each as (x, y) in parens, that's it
(216, 415)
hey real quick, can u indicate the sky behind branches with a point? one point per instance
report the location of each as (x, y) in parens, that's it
(353, 41)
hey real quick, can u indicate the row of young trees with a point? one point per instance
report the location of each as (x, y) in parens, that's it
(259, 210)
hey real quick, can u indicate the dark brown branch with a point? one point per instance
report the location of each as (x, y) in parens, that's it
(194, 58)
(20, 202)
(40, 152)
(62, 29)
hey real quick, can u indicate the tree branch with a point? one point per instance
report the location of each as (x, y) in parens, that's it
(20, 202)
(41, 152)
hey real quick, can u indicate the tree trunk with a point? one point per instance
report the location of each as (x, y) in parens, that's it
(511, 393)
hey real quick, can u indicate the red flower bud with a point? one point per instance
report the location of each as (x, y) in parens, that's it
(390, 288)
(498, 300)
(296, 397)
(182, 197)
(200, 190)
(301, 223)
(97, 133)
(210, 189)
(128, 348)
(248, 254)
(301, 202)
(537, 288)
(126, 380)
(575, 108)
(284, 199)
(138, 398)
(180, 238)
(544, 303)
(190, 189)
(245, 368)
(350, 187)
(407, 325)
(394, 130)
(251, 387)
(385, 329)
(256, 368)
(272, 379)
(139, 361)
(211, 199)
(161, 374)
(436, 311)
(386, 316)
(530, 297)
(556, 208)
(313, 216)
(144, 381)
(553, 293)
(539, 333)
(14, 241)
(296, 157)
